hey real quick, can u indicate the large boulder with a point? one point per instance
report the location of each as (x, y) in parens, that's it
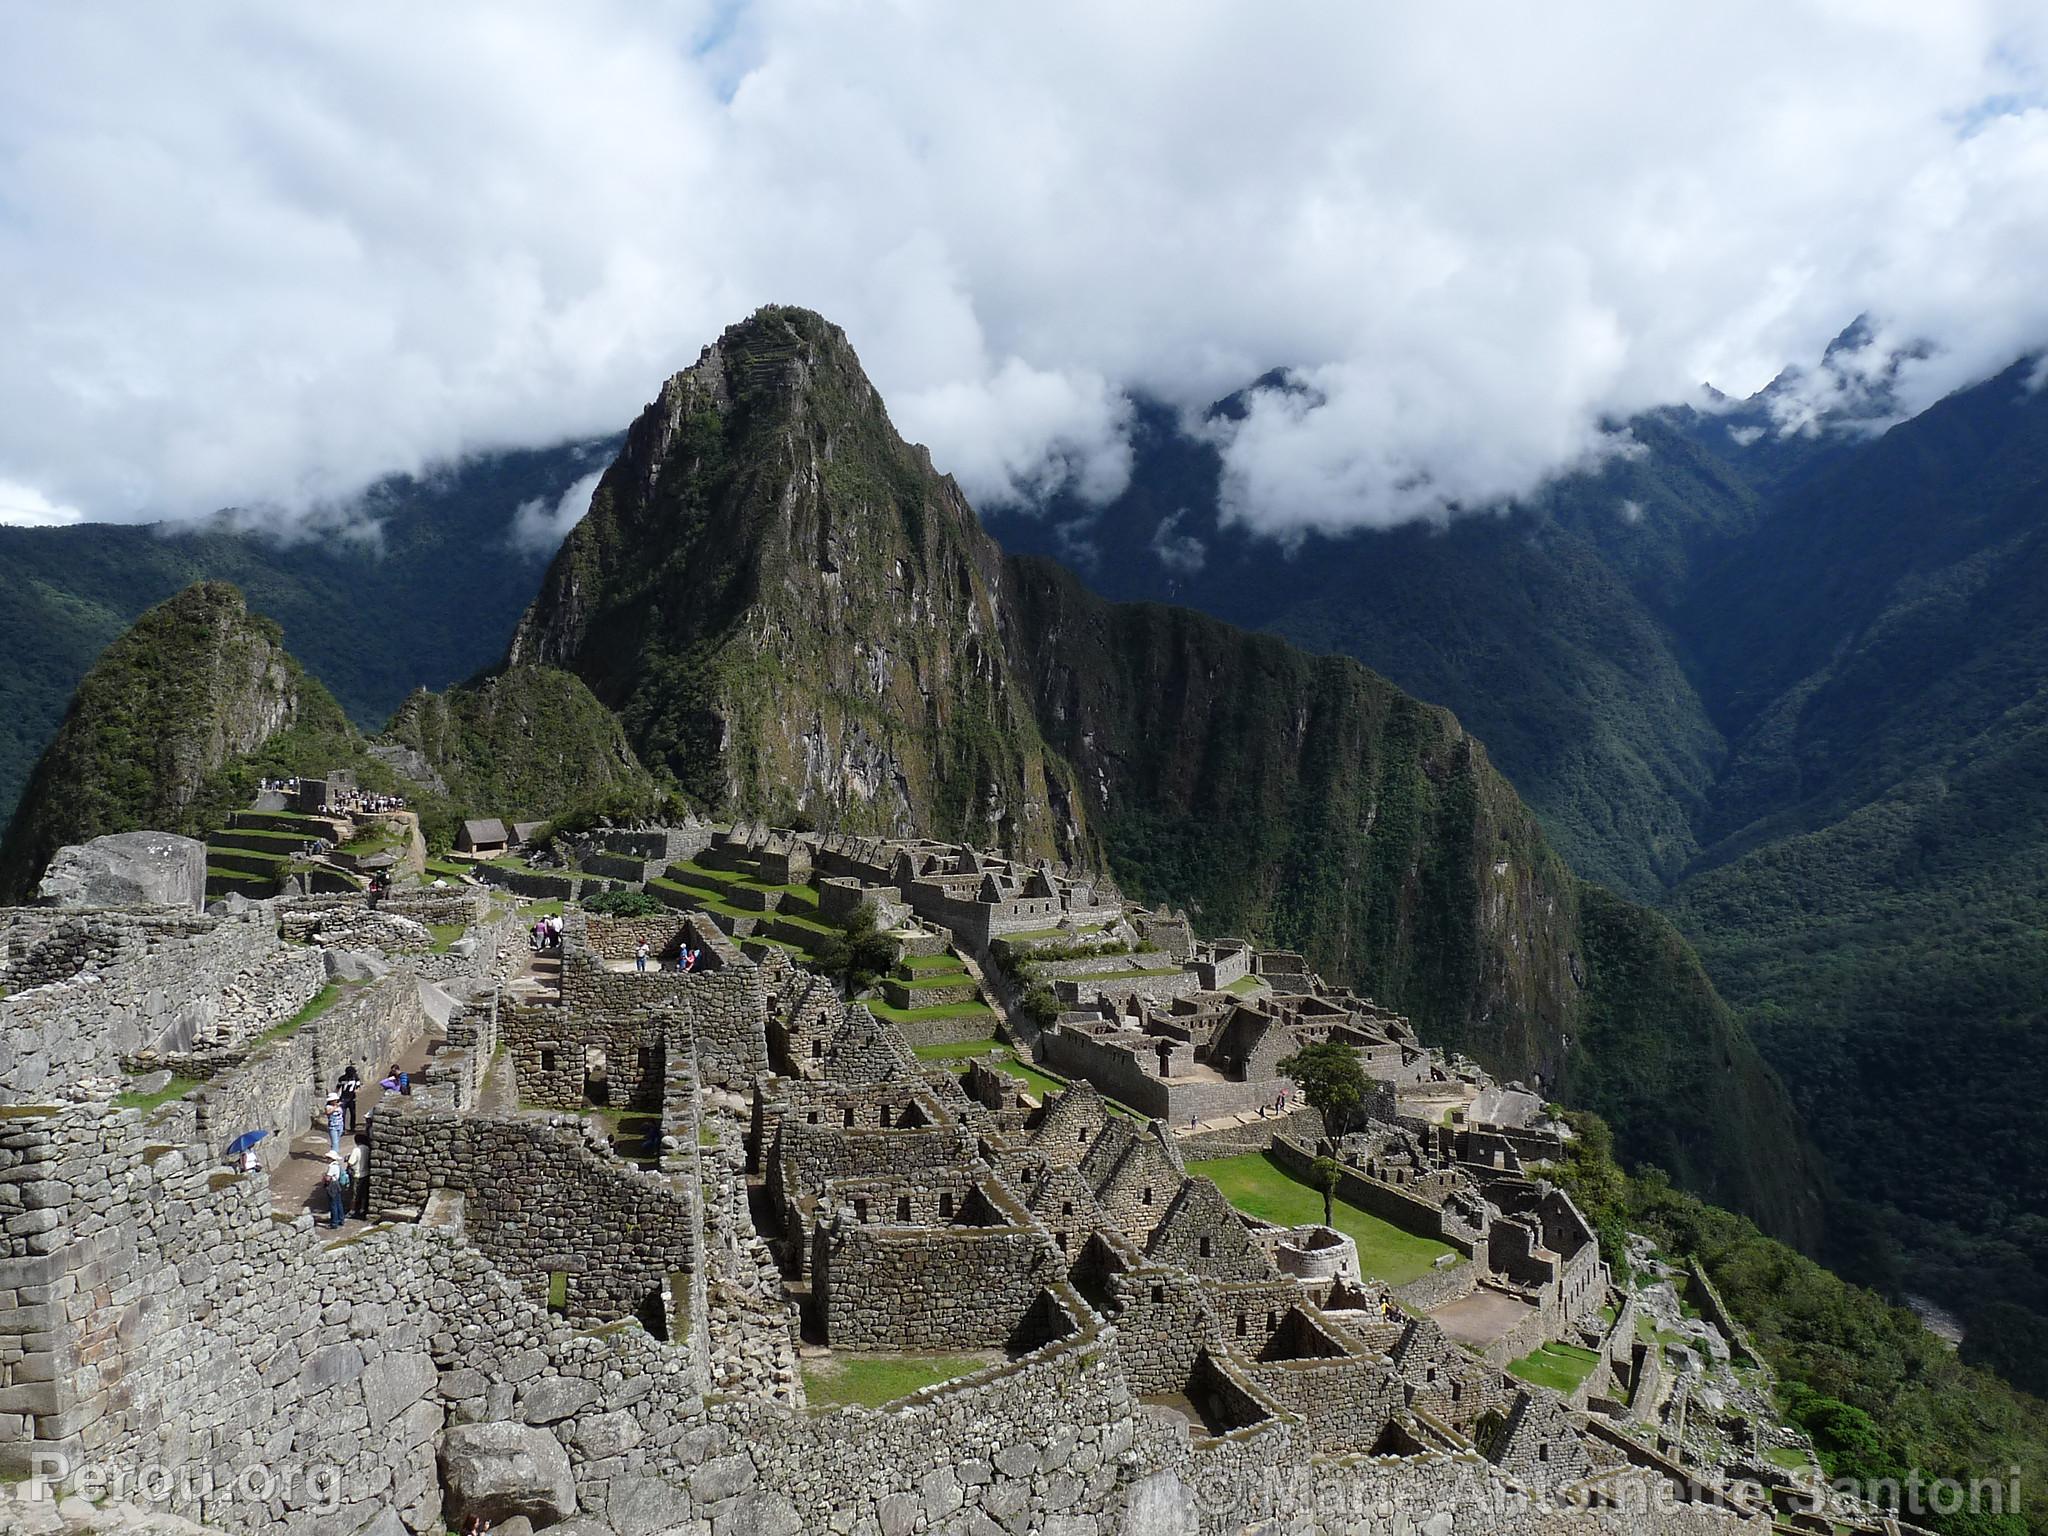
(496, 1471)
(128, 869)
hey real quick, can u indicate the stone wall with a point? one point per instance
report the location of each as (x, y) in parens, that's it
(538, 1201)
(619, 938)
(147, 982)
(161, 1353)
(559, 1054)
(885, 1286)
(724, 1005)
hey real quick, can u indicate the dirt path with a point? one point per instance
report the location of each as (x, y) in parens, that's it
(295, 1185)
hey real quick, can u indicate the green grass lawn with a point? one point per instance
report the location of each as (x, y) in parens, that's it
(933, 963)
(446, 934)
(959, 1050)
(176, 1088)
(933, 979)
(1560, 1367)
(868, 1381)
(1787, 1458)
(882, 1010)
(1260, 1187)
(551, 907)
(1245, 983)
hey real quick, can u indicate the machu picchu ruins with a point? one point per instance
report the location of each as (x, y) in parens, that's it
(655, 1227)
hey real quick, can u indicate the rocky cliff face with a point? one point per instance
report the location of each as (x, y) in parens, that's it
(795, 614)
(792, 613)
(198, 680)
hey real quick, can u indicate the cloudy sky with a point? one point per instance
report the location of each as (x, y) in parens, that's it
(259, 255)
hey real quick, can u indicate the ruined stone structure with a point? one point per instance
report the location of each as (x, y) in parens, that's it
(612, 1209)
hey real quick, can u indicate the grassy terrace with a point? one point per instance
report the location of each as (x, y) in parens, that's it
(952, 978)
(882, 1010)
(176, 1088)
(1245, 983)
(1560, 1367)
(1129, 975)
(933, 963)
(1046, 1085)
(446, 934)
(285, 840)
(1259, 1186)
(868, 1381)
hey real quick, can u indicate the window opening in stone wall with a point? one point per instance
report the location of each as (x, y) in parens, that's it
(903, 1207)
(597, 1087)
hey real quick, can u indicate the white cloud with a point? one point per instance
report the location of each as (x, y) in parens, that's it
(23, 506)
(1630, 510)
(1181, 553)
(539, 528)
(258, 255)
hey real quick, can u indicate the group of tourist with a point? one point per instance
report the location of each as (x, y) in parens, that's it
(686, 957)
(344, 1181)
(546, 933)
(351, 801)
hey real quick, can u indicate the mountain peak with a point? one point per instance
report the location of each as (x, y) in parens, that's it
(194, 682)
(766, 535)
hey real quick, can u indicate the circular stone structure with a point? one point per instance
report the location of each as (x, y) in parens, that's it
(1317, 1252)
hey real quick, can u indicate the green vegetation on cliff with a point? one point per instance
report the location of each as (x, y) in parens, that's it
(524, 743)
(198, 683)
(1834, 1343)
(416, 582)
(1310, 804)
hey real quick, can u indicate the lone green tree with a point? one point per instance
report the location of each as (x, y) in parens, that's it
(1331, 1079)
(1323, 1173)
(860, 952)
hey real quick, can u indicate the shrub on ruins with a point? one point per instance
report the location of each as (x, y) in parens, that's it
(623, 904)
(860, 952)
(1331, 1080)
(1039, 1005)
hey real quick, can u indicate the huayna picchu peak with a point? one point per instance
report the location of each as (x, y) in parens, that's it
(793, 612)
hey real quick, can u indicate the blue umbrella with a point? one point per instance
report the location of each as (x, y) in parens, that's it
(245, 1141)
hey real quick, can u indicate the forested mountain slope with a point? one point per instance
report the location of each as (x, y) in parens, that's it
(1789, 688)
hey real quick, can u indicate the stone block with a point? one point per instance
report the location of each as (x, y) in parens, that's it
(496, 1471)
(127, 869)
(554, 1398)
